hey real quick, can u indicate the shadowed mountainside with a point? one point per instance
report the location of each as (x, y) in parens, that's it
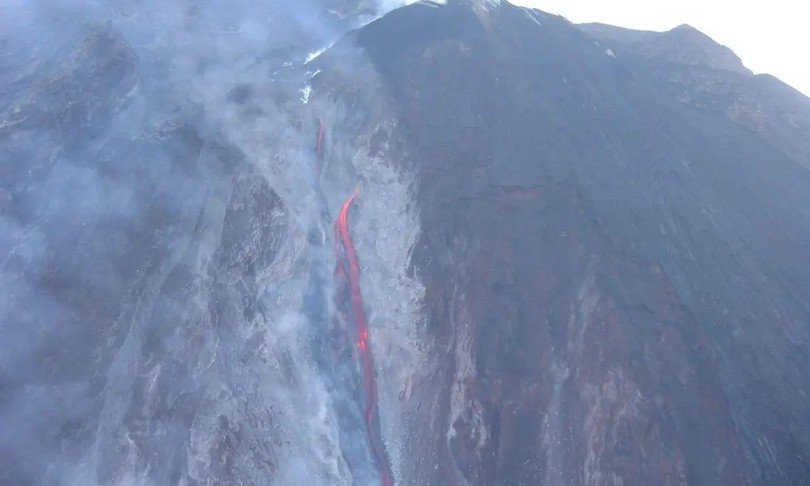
(613, 246)
(582, 251)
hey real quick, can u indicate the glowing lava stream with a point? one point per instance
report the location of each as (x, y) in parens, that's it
(342, 238)
(347, 257)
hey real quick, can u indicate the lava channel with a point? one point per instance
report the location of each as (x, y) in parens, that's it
(348, 268)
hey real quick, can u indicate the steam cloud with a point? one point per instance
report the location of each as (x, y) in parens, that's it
(129, 131)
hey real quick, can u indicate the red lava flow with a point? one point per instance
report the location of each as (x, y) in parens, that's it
(344, 247)
(344, 239)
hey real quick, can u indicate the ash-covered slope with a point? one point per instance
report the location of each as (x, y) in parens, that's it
(156, 198)
(614, 248)
(573, 260)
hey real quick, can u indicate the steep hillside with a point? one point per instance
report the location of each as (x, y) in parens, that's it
(615, 269)
(462, 243)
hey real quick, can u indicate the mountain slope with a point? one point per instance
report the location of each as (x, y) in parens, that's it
(698, 72)
(466, 243)
(616, 273)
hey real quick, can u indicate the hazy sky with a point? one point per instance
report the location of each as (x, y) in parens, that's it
(770, 37)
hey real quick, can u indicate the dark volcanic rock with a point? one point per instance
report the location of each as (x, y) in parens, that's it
(696, 71)
(682, 45)
(583, 251)
(617, 273)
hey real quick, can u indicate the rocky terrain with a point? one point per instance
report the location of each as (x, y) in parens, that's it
(578, 254)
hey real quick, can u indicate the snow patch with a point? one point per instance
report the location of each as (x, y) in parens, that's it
(488, 5)
(315, 54)
(532, 14)
(305, 92)
(610, 53)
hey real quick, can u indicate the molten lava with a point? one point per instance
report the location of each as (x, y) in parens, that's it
(350, 307)
(349, 257)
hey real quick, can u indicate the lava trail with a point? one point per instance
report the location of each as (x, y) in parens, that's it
(339, 339)
(332, 341)
(349, 257)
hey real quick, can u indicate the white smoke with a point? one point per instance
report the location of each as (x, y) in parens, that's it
(88, 168)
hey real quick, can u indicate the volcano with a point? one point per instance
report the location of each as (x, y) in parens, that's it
(454, 243)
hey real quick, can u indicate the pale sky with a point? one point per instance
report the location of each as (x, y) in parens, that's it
(770, 37)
